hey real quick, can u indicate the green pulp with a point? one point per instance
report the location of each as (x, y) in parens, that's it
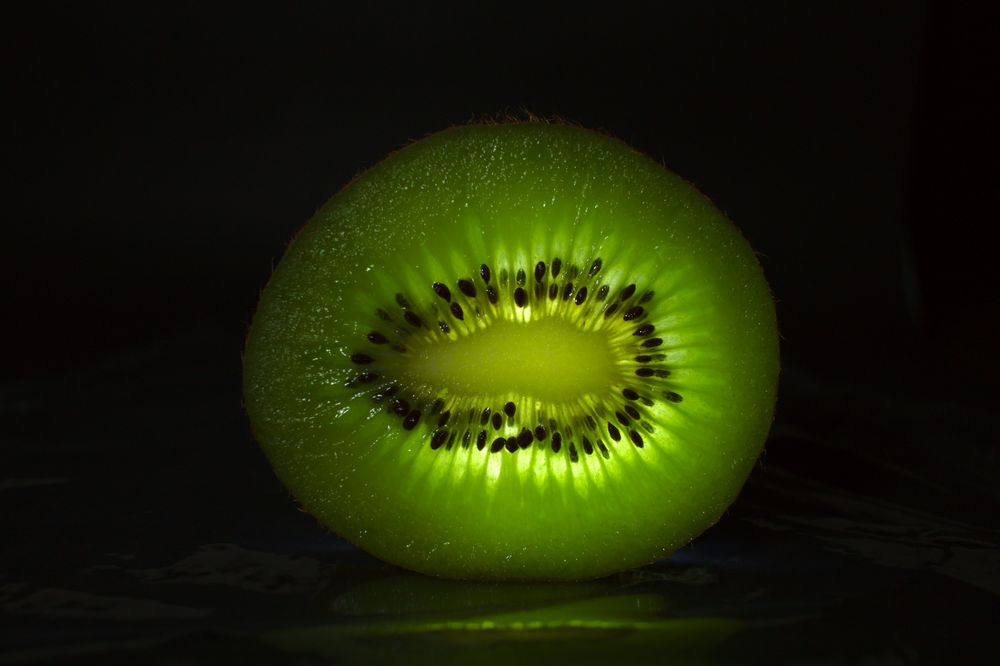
(508, 197)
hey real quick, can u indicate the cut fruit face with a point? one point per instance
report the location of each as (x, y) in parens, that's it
(515, 352)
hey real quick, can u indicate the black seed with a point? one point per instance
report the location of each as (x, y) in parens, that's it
(621, 418)
(484, 272)
(573, 272)
(540, 433)
(382, 314)
(437, 406)
(412, 319)
(481, 440)
(630, 394)
(497, 421)
(362, 359)
(509, 409)
(411, 420)
(451, 440)
(646, 426)
(520, 276)
(632, 411)
(644, 359)
(643, 330)
(590, 422)
(539, 291)
(573, 456)
(467, 288)
(456, 310)
(491, 294)
(636, 438)
(377, 338)
(645, 372)
(581, 296)
(627, 292)
(401, 407)
(662, 373)
(556, 442)
(556, 265)
(567, 291)
(645, 297)
(503, 277)
(588, 448)
(539, 271)
(443, 419)
(646, 401)
(497, 444)
(613, 431)
(444, 327)
(652, 342)
(611, 310)
(442, 291)
(485, 417)
(401, 300)
(512, 444)
(632, 313)
(602, 293)
(466, 438)
(672, 397)
(438, 438)
(525, 438)
(520, 297)
(594, 267)
(553, 292)
(604, 449)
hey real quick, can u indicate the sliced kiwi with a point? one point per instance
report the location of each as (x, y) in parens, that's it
(515, 351)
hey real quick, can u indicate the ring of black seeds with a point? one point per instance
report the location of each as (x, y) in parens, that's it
(591, 439)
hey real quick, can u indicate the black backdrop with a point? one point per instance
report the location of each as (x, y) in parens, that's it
(159, 158)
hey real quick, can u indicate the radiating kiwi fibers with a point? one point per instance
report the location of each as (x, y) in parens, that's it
(516, 351)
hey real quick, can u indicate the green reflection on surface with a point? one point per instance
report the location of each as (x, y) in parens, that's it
(415, 620)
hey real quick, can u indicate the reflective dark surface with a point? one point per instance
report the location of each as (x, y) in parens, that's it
(143, 526)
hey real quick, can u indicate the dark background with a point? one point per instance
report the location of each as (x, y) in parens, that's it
(159, 158)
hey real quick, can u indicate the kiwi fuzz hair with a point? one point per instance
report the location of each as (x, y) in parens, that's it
(515, 351)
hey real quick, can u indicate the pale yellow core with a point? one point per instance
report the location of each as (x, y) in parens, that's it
(547, 359)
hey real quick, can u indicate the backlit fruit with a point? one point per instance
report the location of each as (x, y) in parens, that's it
(515, 351)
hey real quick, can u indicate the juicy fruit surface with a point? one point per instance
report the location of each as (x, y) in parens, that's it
(515, 352)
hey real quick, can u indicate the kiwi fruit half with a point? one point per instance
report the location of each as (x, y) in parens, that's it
(518, 351)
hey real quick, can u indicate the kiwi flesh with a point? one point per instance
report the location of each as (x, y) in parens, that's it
(516, 351)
